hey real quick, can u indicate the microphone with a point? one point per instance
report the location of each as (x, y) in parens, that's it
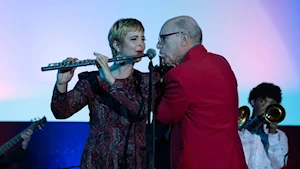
(151, 53)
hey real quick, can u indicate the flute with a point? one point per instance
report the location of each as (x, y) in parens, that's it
(68, 65)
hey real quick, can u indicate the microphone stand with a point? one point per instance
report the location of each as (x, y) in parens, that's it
(150, 142)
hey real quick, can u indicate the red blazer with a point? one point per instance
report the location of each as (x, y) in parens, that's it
(200, 100)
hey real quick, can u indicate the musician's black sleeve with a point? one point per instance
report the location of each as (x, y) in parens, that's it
(12, 157)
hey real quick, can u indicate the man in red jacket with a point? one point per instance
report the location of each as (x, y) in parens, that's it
(200, 101)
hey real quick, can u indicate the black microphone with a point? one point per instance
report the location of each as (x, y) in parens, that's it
(151, 53)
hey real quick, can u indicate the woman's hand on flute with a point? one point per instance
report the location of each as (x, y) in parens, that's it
(104, 70)
(63, 77)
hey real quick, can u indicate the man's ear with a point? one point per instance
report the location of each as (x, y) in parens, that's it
(252, 102)
(184, 39)
(117, 46)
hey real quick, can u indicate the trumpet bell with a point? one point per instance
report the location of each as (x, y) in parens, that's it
(244, 114)
(274, 114)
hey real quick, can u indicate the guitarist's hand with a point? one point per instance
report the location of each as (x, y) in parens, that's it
(26, 136)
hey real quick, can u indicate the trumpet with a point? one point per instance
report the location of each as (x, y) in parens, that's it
(274, 114)
(244, 114)
(68, 65)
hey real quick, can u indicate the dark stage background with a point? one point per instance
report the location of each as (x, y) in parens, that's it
(60, 144)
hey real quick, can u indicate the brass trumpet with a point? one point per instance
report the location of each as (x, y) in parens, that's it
(274, 114)
(244, 114)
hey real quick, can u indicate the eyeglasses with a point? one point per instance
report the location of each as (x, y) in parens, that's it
(161, 38)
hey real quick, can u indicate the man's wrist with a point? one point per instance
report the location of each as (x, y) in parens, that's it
(111, 81)
(24, 147)
(273, 132)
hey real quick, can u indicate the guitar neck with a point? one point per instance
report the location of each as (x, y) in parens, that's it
(12, 142)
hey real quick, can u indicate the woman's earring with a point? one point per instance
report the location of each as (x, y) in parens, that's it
(118, 62)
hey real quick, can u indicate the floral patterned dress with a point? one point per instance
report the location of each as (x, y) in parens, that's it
(118, 115)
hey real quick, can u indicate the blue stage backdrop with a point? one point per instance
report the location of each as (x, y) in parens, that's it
(60, 144)
(258, 38)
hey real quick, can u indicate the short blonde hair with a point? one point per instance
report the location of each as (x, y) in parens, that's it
(120, 29)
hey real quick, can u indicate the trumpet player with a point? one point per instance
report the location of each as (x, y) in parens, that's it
(261, 133)
(255, 154)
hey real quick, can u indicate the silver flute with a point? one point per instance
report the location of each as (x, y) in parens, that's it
(68, 65)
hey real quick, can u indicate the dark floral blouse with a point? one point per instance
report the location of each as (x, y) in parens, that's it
(118, 115)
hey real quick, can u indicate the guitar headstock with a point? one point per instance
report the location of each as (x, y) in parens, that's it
(38, 124)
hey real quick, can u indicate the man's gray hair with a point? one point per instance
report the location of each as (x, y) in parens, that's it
(189, 26)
